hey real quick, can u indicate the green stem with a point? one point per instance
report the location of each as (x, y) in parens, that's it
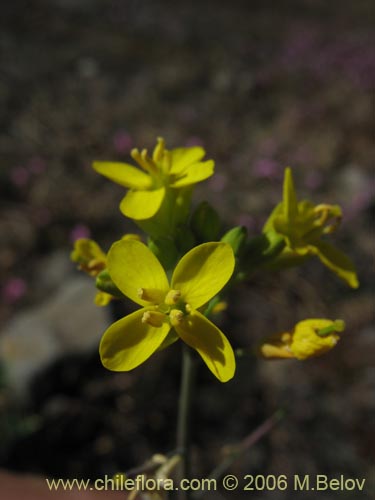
(183, 423)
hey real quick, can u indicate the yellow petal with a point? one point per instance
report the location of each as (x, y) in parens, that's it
(123, 174)
(141, 205)
(133, 267)
(290, 204)
(127, 343)
(182, 157)
(102, 299)
(86, 250)
(203, 271)
(275, 351)
(306, 343)
(212, 345)
(194, 173)
(337, 262)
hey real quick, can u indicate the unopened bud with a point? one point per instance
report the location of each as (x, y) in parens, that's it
(104, 283)
(205, 223)
(236, 237)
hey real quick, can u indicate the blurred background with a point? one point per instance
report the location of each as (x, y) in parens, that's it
(260, 88)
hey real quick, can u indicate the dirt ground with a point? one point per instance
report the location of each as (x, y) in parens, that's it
(260, 88)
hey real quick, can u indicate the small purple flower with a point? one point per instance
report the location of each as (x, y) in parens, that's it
(359, 203)
(218, 182)
(122, 142)
(266, 168)
(313, 180)
(194, 141)
(79, 231)
(13, 290)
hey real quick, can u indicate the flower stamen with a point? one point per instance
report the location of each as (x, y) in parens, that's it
(176, 316)
(172, 297)
(144, 161)
(159, 150)
(153, 318)
(148, 295)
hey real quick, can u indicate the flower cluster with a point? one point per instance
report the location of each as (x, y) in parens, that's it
(180, 277)
(159, 190)
(303, 225)
(197, 278)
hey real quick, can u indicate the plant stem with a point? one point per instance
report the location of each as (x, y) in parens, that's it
(183, 423)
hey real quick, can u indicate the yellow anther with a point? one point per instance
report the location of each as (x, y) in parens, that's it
(176, 316)
(165, 164)
(159, 150)
(148, 163)
(136, 155)
(94, 267)
(330, 215)
(188, 308)
(143, 160)
(172, 297)
(148, 295)
(153, 318)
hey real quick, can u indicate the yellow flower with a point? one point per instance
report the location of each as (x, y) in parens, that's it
(89, 256)
(309, 338)
(92, 260)
(164, 171)
(303, 224)
(198, 276)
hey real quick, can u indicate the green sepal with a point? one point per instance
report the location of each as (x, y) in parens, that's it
(287, 259)
(104, 283)
(207, 310)
(261, 250)
(184, 239)
(337, 326)
(205, 223)
(170, 339)
(236, 237)
(165, 250)
(173, 211)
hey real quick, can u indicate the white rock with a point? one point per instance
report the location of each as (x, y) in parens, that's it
(68, 322)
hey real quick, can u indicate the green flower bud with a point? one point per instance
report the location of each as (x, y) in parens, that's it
(236, 237)
(184, 239)
(165, 250)
(205, 223)
(104, 283)
(262, 249)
